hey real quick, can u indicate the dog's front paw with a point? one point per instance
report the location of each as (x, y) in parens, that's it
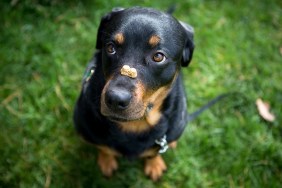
(173, 144)
(107, 164)
(154, 167)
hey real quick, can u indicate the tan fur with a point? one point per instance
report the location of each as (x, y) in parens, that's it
(137, 126)
(154, 167)
(107, 160)
(153, 116)
(149, 153)
(173, 144)
(119, 38)
(103, 104)
(156, 99)
(107, 163)
(142, 98)
(107, 150)
(154, 40)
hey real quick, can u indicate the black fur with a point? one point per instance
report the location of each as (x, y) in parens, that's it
(137, 24)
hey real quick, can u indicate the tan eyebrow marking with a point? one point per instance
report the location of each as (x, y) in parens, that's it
(154, 40)
(119, 38)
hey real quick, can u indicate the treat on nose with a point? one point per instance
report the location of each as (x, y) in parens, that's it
(127, 71)
(117, 98)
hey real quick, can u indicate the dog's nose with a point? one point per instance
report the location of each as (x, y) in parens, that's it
(118, 99)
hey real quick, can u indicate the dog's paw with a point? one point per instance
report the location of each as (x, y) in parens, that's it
(154, 167)
(173, 144)
(107, 164)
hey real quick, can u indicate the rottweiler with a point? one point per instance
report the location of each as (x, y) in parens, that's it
(132, 102)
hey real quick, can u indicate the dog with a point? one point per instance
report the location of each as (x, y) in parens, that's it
(132, 102)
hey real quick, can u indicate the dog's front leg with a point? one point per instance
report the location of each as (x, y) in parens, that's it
(154, 167)
(107, 163)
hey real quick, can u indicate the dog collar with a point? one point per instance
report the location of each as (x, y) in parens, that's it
(88, 74)
(90, 70)
(162, 142)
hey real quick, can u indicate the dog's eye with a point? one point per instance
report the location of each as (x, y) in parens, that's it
(159, 57)
(110, 49)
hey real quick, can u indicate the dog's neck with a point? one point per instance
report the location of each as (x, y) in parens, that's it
(136, 126)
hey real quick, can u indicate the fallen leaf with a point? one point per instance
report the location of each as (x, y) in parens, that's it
(263, 108)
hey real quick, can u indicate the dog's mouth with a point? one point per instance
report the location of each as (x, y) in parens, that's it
(123, 119)
(126, 116)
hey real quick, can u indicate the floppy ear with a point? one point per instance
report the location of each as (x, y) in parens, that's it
(189, 44)
(104, 22)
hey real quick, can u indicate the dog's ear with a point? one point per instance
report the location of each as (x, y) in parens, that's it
(189, 44)
(104, 22)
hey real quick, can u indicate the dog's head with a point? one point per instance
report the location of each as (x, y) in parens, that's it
(154, 45)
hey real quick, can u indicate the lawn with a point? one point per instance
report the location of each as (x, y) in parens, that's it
(45, 46)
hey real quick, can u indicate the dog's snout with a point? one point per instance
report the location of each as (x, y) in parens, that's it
(118, 99)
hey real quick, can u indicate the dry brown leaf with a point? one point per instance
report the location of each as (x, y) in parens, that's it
(263, 108)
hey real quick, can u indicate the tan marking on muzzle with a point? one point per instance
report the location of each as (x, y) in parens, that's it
(127, 71)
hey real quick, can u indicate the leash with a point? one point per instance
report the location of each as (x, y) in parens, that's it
(217, 99)
(162, 142)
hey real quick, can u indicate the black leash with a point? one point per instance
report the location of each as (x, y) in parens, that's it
(195, 114)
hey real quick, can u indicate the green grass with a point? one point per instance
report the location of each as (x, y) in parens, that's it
(44, 48)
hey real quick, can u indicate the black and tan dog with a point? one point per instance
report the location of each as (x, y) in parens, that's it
(133, 102)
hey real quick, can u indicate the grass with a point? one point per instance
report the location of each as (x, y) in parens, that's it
(45, 46)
